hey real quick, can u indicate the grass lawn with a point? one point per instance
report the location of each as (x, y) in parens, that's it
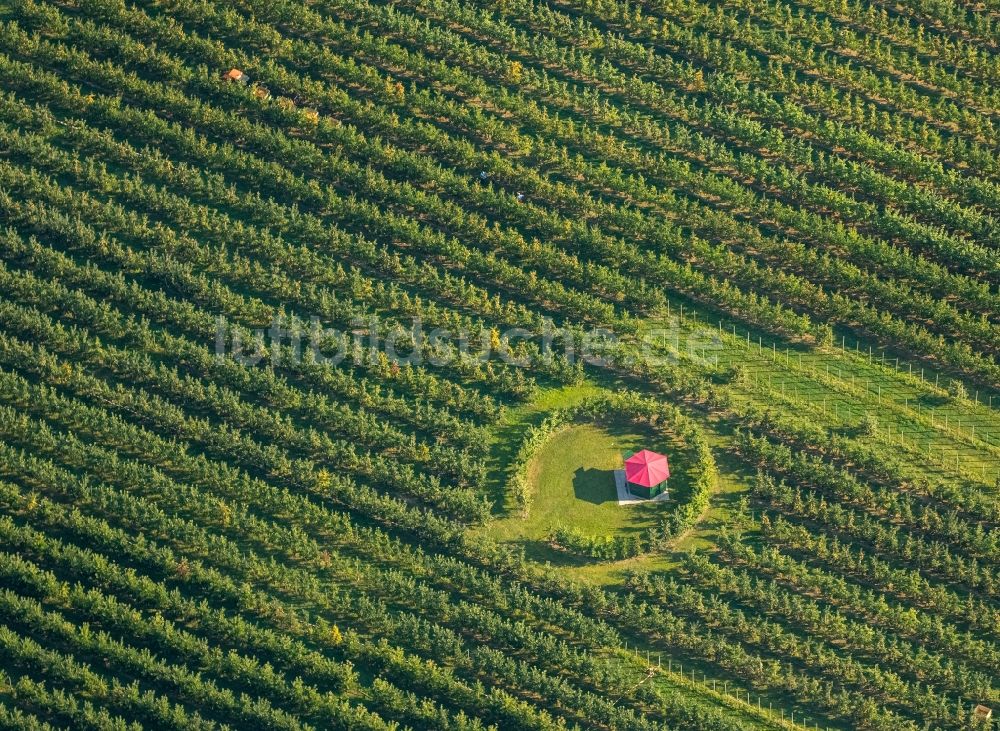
(574, 486)
(508, 433)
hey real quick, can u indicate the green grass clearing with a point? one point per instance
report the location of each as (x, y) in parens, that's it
(574, 486)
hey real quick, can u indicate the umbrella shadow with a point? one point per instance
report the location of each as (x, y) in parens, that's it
(595, 486)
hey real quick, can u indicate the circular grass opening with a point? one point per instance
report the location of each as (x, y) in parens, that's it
(573, 486)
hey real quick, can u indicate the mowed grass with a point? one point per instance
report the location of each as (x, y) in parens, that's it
(573, 480)
(508, 433)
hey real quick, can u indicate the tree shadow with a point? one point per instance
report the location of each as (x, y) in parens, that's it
(542, 551)
(595, 486)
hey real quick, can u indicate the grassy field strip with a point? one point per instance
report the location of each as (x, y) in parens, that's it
(844, 402)
(961, 439)
(936, 434)
(936, 456)
(671, 676)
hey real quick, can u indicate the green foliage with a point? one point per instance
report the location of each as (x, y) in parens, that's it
(609, 548)
(869, 425)
(739, 375)
(957, 390)
(194, 541)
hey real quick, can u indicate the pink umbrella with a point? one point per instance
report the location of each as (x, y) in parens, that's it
(646, 468)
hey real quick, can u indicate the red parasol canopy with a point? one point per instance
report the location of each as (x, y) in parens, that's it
(646, 468)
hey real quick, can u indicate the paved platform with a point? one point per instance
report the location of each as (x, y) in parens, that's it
(627, 498)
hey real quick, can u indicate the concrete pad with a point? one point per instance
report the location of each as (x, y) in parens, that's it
(627, 498)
